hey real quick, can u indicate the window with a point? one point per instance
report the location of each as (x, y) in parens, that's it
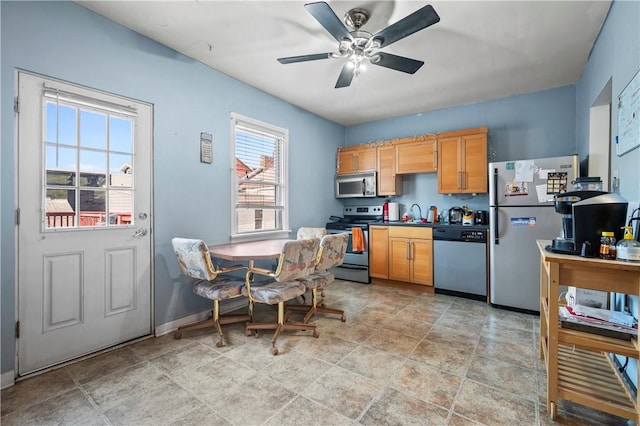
(88, 176)
(259, 178)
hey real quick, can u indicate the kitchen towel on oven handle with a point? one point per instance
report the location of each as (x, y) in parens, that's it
(358, 239)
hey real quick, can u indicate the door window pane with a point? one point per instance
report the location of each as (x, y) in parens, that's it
(120, 135)
(59, 208)
(92, 208)
(67, 125)
(93, 130)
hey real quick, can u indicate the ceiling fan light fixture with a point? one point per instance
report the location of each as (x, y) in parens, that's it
(358, 45)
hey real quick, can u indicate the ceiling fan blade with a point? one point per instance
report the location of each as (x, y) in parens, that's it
(346, 75)
(304, 58)
(328, 19)
(418, 20)
(398, 63)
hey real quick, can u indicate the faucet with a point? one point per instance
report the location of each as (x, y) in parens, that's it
(419, 211)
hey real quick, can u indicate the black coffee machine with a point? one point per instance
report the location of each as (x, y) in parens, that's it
(585, 215)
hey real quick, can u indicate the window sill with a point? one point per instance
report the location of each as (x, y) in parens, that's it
(257, 236)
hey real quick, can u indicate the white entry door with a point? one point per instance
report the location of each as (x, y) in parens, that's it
(84, 232)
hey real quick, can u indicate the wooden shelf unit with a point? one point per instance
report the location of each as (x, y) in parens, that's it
(578, 364)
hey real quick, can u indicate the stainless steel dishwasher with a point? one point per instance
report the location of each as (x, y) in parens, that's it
(460, 261)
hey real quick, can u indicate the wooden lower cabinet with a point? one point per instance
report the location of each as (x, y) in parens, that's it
(379, 252)
(409, 254)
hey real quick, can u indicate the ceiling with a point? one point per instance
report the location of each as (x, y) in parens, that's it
(480, 50)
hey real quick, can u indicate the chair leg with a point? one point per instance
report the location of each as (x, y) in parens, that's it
(309, 309)
(279, 326)
(215, 321)
(314, 308)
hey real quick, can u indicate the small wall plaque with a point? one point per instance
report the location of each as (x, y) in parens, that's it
(206, 148)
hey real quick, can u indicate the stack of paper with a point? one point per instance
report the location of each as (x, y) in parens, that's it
(595, 324)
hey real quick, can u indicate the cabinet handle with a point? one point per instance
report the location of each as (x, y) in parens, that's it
(355, 160)
(458, 181)
(411, 250)
(407, 251)
(435, 160)
(464, 179)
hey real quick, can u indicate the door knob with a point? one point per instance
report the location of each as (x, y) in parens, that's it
(140, 232)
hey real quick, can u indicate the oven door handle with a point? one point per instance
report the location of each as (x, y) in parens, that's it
(354, 267)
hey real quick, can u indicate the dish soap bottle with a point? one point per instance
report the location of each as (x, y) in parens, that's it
(628, 248)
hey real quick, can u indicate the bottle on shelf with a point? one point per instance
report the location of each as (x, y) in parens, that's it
(385, 211)
(628, 249)
(432, 216)
(607, 246)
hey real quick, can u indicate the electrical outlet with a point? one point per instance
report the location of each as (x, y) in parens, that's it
(616, 180)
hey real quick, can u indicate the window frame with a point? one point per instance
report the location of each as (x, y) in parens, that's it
(80, 103)
(284, 231)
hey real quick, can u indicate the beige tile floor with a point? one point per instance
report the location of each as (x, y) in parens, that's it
(402, 358)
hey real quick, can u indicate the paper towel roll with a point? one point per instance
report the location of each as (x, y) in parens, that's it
(394, 212)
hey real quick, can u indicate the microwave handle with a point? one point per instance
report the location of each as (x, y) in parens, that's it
(364, 187)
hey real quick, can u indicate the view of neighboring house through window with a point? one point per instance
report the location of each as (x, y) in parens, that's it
(88, 163)
(260, 176)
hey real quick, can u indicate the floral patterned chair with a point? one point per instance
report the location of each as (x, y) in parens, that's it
(195, 262)
(297, 260)
(307, 232)
(331, 254)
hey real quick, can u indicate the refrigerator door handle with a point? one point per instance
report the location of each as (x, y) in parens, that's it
(496, 233)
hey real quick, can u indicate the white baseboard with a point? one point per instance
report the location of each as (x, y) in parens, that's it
(7, 379)
(226, 307)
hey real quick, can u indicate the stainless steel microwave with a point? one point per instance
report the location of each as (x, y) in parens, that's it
(357, 185)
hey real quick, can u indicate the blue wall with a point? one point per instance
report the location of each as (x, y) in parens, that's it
(68, 42)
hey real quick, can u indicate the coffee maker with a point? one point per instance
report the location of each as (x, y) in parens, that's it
(585, 215)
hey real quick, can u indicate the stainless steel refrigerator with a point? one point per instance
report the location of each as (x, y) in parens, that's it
(521, 212)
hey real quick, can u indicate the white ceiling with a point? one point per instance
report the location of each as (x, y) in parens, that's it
(479, 50)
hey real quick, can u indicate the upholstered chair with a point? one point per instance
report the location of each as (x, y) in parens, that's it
(307, 232)
(195, 262)
(297, 260)
(331, 254)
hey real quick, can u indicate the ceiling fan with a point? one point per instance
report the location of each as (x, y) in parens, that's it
(358, 45)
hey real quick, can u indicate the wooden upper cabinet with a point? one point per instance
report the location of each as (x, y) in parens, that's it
(354, 159)
(416, 157)
(389, 183)
(462, 162)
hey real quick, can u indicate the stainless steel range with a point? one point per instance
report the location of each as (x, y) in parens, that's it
(356, 261)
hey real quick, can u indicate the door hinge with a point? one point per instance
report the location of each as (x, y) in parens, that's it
(17, 216)
(16, 104)
(17, 329)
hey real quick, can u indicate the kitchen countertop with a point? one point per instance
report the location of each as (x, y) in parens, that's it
(429, 225)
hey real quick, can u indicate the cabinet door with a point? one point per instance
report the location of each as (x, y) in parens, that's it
(418, 157)
(366, 160)
(448, 165)
(388, 182)
(474, 162)
(399, 262)
(346, 162)
(378, 252)
(421, 262)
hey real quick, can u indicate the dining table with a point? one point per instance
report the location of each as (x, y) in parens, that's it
(248, 251)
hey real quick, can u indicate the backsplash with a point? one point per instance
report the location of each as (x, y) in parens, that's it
(422, 189)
